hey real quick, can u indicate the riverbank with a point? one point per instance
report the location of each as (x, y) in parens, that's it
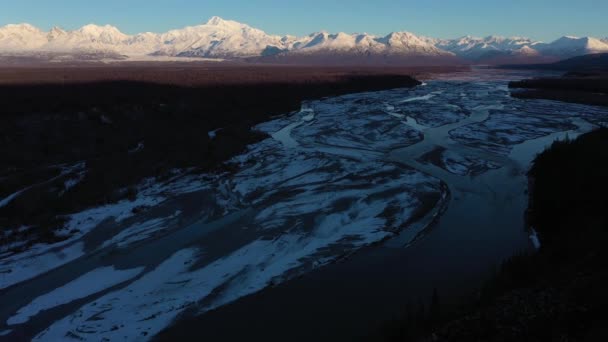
(77, 144)
(557, 293)
(584, 88)
(585, 81)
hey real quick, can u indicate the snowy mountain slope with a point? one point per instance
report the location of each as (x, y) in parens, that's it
(216, 38)
(88, 38)
(574, 46)
(398, 48)
(340, 42)
(408, 43)
(519, 47)
(478, 48)
(402, 43)
(21, 37)
(219, 38)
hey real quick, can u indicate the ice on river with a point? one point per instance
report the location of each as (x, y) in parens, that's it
(319, 189)
(458, 163)
(522, 120)
(346, 126)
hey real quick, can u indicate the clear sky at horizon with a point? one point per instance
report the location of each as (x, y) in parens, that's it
(538, 19)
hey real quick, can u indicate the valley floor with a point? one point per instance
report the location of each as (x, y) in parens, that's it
(100, 177)
(188, 215)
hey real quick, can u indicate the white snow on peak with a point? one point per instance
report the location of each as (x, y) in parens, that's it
(106, 34)
(527, 51)
(217, 21)
(221, 38)
(217, 38)
(404, 43)
(409, 43)
(569, 46)
(87, 38)
(475, 48)
(55, 33)
(15, 37)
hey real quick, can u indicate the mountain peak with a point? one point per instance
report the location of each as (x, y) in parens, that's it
(98, 28)
(22, 27)
(56, 32)
(569, 46)
(224, 24)
(219, 21)
(403, 38)
(21, 37)
(527, 51)
(216, 21)
(106, 34)
(221, 38)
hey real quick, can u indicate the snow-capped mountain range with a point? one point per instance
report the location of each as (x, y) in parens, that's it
(219, 38)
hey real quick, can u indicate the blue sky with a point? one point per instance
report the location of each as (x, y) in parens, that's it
(539, 19)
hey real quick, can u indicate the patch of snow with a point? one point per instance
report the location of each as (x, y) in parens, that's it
(72, 182)
(139, 231)
(140, 146)
(41, 258)
(35, 261)
(86, 220)
(397, 115)
(147, 305)
(213, 134)
(284, 135)
(310, 116)
(65, 170)
(84, 286)
(8, 199)
(414, 124)
(418, 98)
(535, 239)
